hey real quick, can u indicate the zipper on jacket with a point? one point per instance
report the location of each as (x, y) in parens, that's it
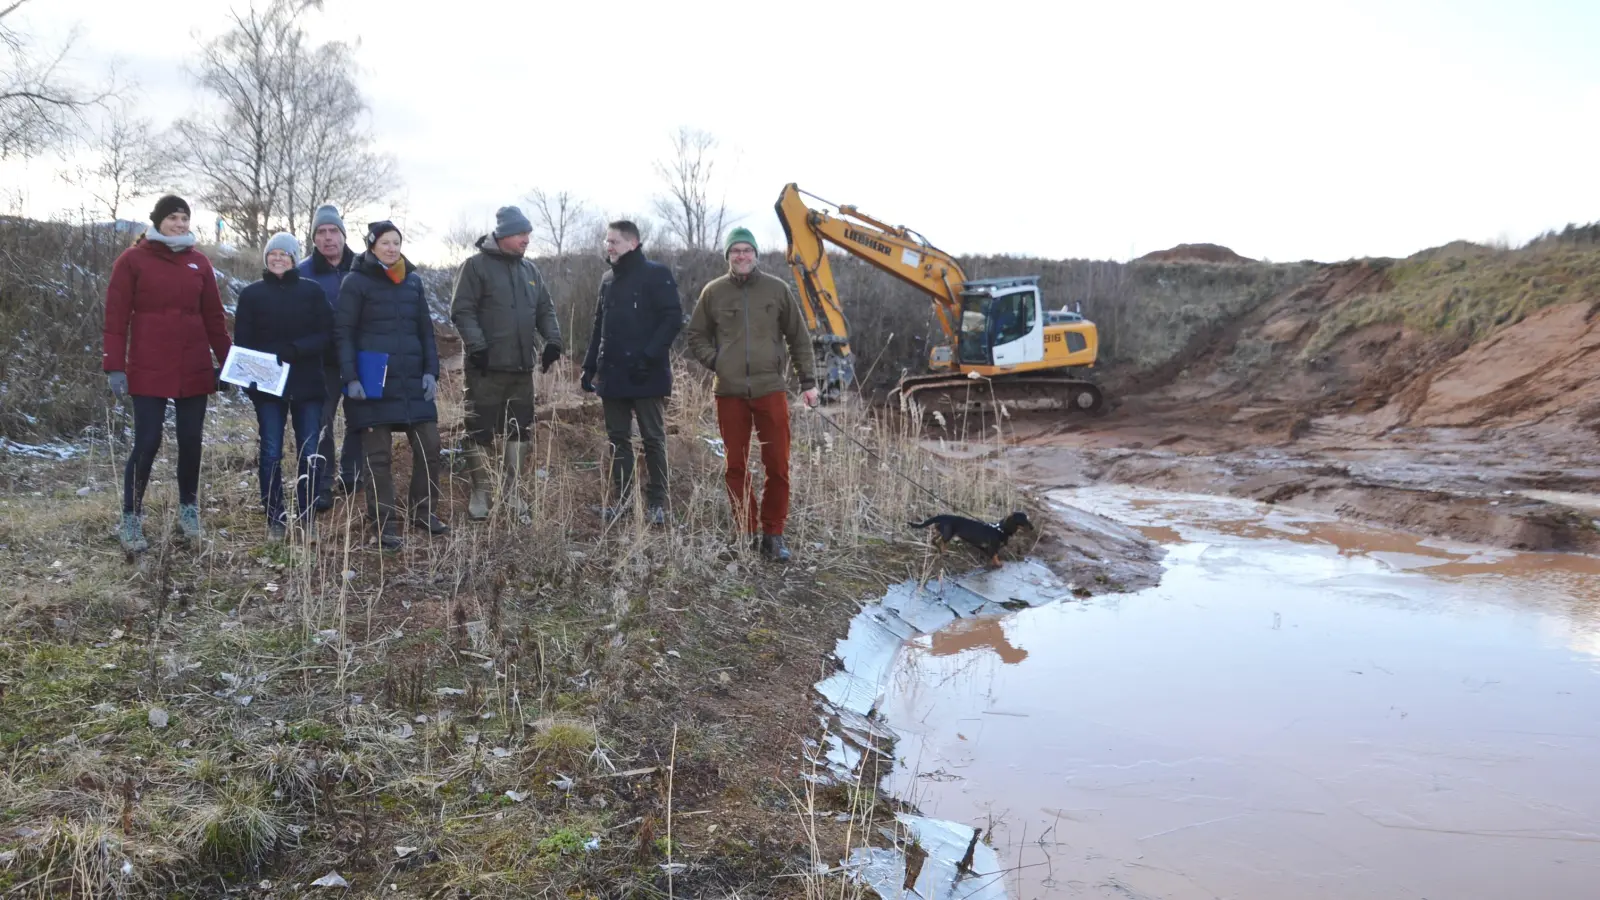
(749, 389)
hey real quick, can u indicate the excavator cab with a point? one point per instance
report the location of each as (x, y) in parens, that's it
(1002, 323)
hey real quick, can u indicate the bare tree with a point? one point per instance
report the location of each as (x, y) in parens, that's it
(688, 213)
(327, 156)
(560, 219)
(288, 135)
(129, 161)
(461, 239)
(40, 105)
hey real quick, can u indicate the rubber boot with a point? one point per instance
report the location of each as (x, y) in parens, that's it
(516, 454)
(478, 469)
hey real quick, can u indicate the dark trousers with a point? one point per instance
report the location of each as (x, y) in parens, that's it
(377, 445)
(350, 454)
(149, 420)
(273, 417)
(651, 413)
(768, 416)
(499, 404)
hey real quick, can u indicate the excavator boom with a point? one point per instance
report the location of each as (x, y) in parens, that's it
(995, 329)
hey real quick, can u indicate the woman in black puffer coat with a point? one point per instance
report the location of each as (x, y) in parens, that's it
(289, 317)
(383, 309)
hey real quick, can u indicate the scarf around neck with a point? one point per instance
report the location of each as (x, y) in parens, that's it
(177, 244)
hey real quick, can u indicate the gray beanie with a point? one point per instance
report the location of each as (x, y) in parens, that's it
(286, 242)
(509, 220)
(328, 215)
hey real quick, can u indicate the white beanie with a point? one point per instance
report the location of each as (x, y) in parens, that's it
(286, 242)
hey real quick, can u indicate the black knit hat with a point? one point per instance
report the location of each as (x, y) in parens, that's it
(166, 206)
(377, 230)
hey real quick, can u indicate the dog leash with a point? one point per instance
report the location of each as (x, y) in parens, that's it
(817, 410)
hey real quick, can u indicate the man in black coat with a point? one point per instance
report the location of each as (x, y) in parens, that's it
(628, 363)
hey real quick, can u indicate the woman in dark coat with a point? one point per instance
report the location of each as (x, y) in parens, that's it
(289, 317)
(165, 339)
(383, 312)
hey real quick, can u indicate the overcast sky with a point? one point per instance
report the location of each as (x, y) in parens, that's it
(1286, 131)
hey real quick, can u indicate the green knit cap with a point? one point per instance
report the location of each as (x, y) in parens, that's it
(740, 235)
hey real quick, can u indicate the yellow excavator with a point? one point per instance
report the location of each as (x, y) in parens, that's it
(1003, 347)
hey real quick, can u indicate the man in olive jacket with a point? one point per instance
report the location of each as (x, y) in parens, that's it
(749, 330)
(502, 310)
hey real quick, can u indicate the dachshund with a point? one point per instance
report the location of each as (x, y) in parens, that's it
(987, 539)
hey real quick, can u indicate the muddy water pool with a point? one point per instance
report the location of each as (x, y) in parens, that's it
(1302, 708)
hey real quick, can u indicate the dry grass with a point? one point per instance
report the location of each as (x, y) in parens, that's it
(500, 699)
(1468, 291)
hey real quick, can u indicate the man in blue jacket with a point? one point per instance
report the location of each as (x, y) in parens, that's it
(629, 365)
(327, 265)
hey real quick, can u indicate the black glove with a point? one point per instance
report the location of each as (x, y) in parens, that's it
(552, 352)
(587, 382)
(222, 386)
(479, 359)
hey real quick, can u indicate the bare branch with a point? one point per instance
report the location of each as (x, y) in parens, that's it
(691, 217)
(559, 219)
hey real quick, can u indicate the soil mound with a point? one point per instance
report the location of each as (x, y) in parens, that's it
(1211, 253)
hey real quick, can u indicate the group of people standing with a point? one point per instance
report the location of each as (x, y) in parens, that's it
(324, 315)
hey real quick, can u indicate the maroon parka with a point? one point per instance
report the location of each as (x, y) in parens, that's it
(164, 322)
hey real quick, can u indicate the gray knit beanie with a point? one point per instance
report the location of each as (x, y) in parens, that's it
(286, 242)
(509, 220)
(328, 215)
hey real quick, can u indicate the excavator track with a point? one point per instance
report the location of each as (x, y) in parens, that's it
(952, 401)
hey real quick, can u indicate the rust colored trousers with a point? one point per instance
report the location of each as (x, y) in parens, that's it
(768, 416)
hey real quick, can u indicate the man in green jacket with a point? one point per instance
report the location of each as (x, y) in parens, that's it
(502, 310)
(749, 329)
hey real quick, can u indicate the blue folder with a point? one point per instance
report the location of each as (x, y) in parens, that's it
(372, 368)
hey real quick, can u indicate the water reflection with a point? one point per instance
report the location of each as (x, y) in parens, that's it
(977, 634)
(1303, 708)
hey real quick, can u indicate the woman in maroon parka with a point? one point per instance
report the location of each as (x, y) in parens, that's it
(165, 339)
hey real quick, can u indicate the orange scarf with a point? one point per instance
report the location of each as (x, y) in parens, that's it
(396, 272)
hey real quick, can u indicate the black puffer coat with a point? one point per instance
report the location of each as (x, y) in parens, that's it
(377, 315)
(637, 317)
(289, 316)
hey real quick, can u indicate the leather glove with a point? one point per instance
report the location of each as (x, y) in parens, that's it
(479, 359)
(552, 352)
(587, 382)
(118, 382)
(430, 387)
(354, 391)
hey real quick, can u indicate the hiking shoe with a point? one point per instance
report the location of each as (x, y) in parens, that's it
(276, 532)
(189, 521)
(431, 524)
(772, 547)
(656, 516)
(131, 534)
(610, 514)
(390, 541)
(324, 501)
